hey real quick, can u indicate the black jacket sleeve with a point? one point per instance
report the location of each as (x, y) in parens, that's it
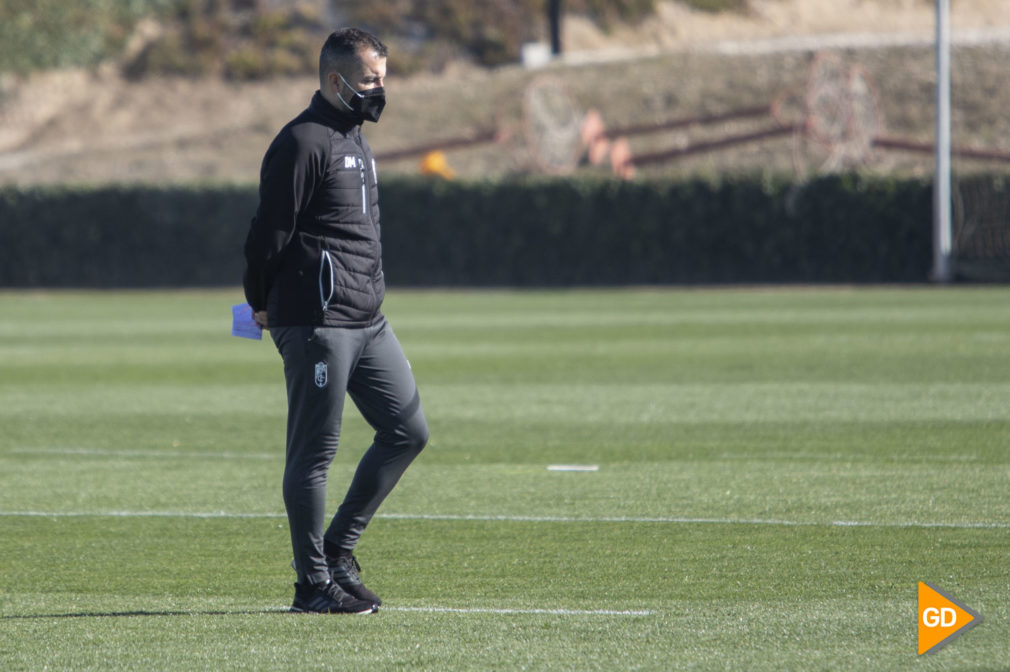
(292, 170)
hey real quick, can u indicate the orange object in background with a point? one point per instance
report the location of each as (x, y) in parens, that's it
(435, 163)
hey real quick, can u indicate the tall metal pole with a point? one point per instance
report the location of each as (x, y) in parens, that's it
(554, 22)
(941, 187)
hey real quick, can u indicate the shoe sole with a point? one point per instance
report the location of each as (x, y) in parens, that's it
(370, 610)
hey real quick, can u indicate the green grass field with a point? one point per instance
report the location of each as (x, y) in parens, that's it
(777, 471)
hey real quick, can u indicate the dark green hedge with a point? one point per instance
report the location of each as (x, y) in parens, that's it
(567, 232)
(522, 233)
(122, 236)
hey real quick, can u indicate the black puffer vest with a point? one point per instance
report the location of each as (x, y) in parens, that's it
(314, 255)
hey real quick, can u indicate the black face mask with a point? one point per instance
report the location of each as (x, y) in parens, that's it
(365, 105)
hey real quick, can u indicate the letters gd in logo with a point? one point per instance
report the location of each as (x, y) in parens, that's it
(942, 618)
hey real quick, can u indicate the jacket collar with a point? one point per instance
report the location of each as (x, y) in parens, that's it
(331, 115)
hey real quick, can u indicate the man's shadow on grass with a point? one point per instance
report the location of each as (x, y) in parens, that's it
(144, 612)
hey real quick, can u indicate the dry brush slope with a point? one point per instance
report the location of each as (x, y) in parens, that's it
(95, 127)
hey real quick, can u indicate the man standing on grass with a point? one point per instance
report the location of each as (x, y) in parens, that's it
(314, 278)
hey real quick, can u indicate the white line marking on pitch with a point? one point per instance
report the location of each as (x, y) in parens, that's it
(521, 519)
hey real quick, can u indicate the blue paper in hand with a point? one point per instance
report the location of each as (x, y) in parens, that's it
(242, 323)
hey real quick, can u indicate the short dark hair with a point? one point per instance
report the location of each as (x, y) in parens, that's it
(344, 44)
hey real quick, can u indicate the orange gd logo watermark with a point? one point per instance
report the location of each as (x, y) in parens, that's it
(942, 618)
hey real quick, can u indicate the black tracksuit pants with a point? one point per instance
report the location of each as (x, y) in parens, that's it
(321, 365)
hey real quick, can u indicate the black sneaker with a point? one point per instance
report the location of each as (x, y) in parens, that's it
(328, 598)
(344, 572)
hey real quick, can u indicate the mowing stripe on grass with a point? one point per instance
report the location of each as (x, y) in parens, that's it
(497, 611)
(98, 452)
(279, 456)
(550, 612)
(284, 609)
(980, 525)
(137, 514)
(691, 521)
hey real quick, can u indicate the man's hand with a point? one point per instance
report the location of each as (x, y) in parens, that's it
(260, 318)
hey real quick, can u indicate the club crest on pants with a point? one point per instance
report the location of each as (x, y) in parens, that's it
(320, 377)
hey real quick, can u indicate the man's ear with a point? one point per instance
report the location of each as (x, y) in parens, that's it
(333, 80)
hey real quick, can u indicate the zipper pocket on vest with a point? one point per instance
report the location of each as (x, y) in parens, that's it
(326, 271)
